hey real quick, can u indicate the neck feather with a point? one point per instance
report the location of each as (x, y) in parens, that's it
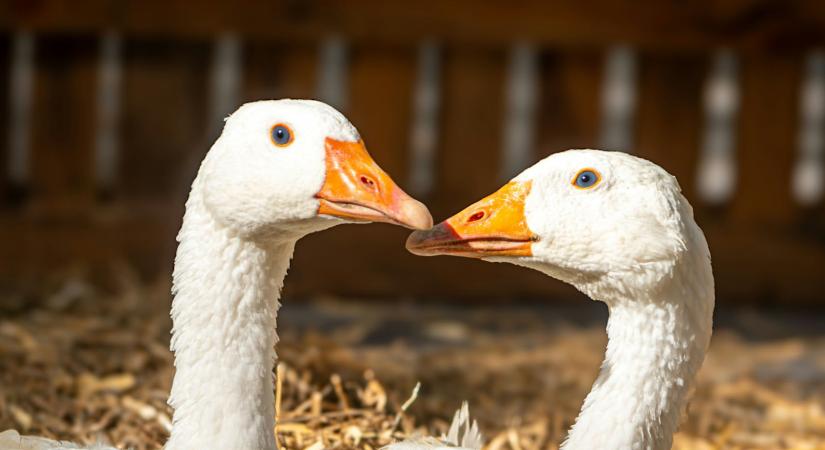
(656, 344)
(226, 291)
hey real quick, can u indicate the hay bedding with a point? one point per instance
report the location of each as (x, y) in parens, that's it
(77, 365)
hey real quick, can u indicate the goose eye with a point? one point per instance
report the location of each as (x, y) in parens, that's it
(586, 179)
(281, 135)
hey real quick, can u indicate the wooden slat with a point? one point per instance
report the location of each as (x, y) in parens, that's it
(108, 109)
(225, 79)
(63, 120)
(569, 109)
(332, 83)
(141, 237)
(618, 99)
(669, 114)
(751, 266)
(716, 174)
(425, 128)
(381, 85)
(745, 24)
(522, 98)
(468, 166)
(767, 136)
(5, 68)
(808, 179)
(276, 70)
(164, 129)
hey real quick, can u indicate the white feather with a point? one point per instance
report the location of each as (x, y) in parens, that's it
(12, 440)
(462, 435)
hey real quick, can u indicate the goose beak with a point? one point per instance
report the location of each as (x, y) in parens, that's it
(493, 226)
(356, 189)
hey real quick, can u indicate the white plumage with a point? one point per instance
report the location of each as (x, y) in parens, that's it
(12, 440)
(462, 435)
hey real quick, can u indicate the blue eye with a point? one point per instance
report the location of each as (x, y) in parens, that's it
(586, 178)
(281, 135)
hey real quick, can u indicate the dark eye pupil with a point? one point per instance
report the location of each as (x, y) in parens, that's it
(280, 134)
(586, 179)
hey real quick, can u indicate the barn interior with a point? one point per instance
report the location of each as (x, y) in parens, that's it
(107, 108)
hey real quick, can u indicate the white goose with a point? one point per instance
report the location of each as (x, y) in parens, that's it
(618, 229)
(280, 170)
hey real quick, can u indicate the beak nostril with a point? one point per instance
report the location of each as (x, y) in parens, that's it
(368, 181)
(476, 217)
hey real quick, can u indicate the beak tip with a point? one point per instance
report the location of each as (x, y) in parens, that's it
(413, 241)
(417, 215)
(423, 242)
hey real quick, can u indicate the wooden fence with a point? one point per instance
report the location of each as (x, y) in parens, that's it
(108, 106)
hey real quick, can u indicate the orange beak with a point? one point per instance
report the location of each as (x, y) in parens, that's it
(356, 189)
(493, 226)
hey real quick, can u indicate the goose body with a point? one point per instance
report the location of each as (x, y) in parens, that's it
(618, 229)
(279, 171)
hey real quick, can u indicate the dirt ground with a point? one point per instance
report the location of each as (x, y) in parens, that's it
(82, 365)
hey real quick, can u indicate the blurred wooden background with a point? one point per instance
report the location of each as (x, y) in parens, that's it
(107, 107)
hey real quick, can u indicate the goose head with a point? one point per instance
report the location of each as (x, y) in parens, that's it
(594, 219)
(297, 166)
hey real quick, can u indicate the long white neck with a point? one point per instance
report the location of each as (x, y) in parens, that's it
(656, 344)
(224, 313)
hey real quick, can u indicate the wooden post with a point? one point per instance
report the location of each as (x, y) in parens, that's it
(716, 177)
(618, 99)
(332, 76)
(21, 87)
(521, 105)
(108, 112)
(225, 80)
(426, 112)
(808, 181)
